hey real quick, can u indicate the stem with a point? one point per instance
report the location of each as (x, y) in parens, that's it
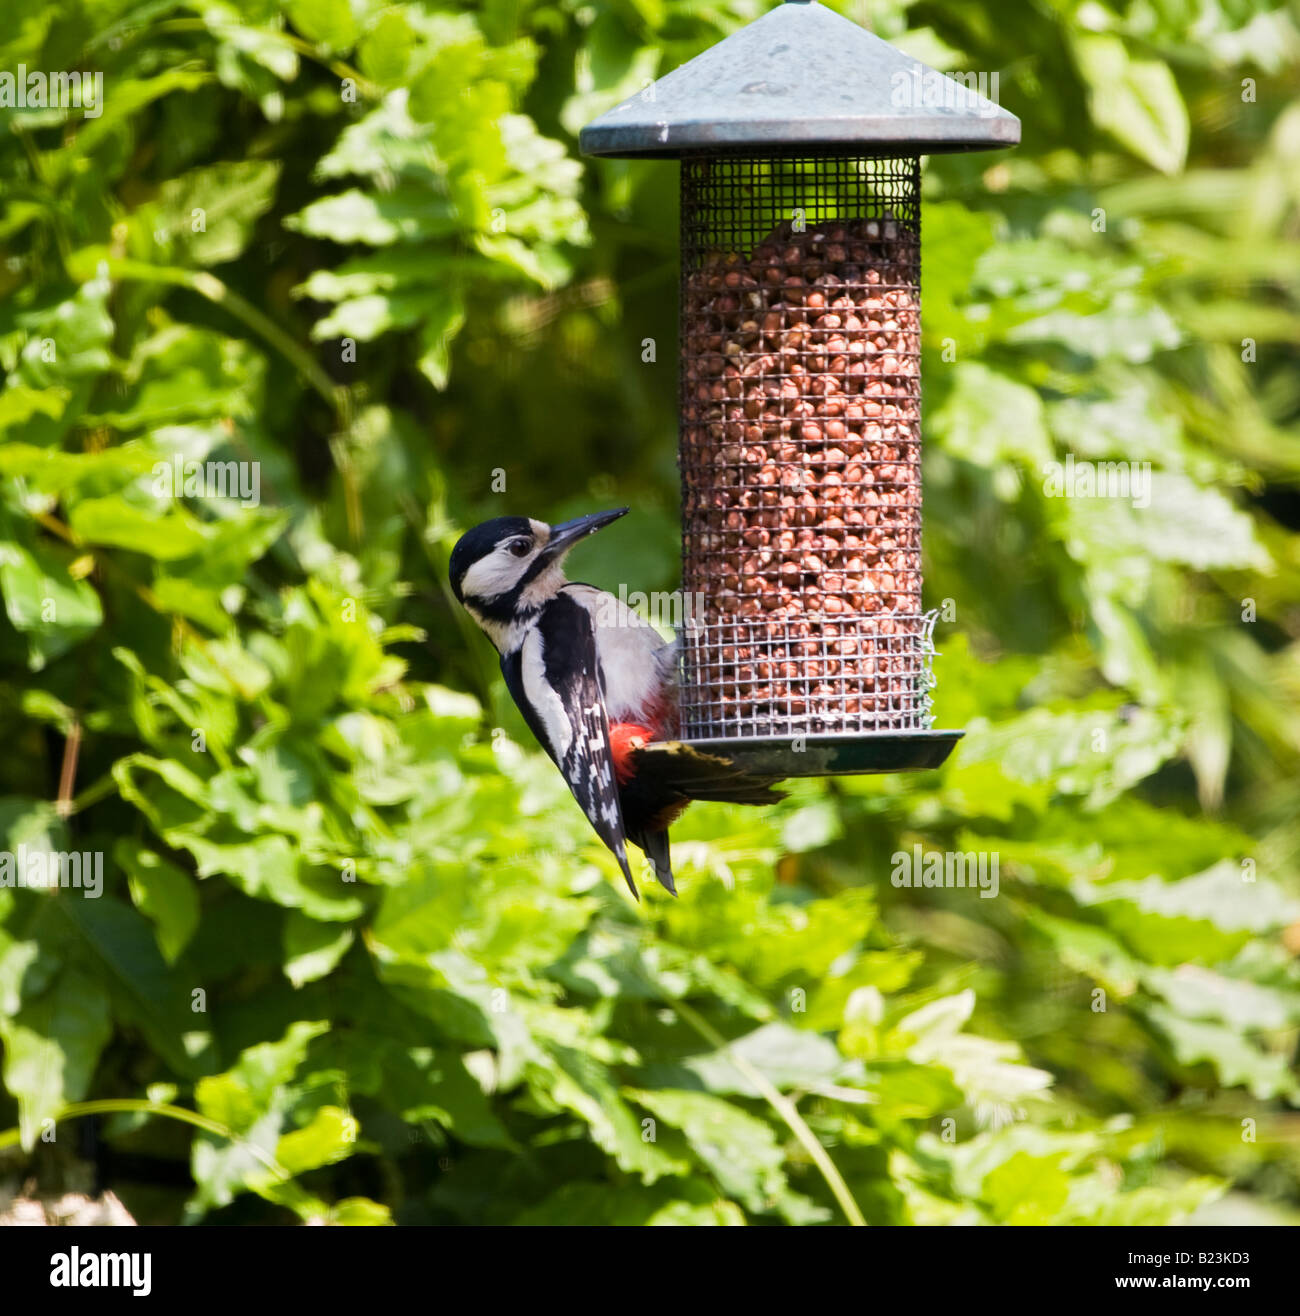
(209, 286)
(339, 67)
(351, 494)
(68, 772)
(783, 1107)
(468, 631)
(336, 396)
(92, 794)
(37, 162)
(139, 1106)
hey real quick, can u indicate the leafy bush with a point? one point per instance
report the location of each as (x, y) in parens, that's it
(358, 956)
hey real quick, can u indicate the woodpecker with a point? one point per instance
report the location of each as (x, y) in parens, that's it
(595, 682)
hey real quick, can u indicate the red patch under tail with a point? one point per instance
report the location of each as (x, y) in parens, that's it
(624, 738)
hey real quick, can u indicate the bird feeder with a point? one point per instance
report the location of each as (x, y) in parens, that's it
(807, 649)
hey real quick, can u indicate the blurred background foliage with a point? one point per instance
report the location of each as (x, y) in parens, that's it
(359, 956)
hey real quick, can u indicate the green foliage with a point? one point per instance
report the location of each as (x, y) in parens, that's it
(357, 957)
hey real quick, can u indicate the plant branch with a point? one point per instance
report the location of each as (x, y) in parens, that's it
(68, 772)
(783, 1107)
(141, 1106)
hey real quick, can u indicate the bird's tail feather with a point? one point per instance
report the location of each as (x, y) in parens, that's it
(655, 845)
(700, 776)
(734, 792)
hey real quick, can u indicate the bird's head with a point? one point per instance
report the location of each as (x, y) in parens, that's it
(505, 569)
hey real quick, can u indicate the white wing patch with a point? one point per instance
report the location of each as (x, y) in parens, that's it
(568, 709)
(550, 707)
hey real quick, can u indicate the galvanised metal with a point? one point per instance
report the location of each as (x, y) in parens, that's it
(801, 77)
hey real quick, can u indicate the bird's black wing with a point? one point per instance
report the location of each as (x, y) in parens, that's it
(555, 679)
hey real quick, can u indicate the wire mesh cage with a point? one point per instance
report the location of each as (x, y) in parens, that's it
(800, 446)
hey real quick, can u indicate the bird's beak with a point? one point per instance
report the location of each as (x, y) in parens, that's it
(567, 533)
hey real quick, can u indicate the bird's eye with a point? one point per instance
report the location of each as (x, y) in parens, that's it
(520, 548)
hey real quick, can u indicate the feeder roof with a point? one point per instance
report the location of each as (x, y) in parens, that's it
(801, 77)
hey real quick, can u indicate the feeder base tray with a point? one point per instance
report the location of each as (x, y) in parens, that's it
(774, 757)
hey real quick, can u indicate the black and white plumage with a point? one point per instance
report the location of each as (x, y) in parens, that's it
(554, 677)
(594, 682)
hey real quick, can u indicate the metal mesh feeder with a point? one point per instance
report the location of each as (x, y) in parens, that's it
(807, 651)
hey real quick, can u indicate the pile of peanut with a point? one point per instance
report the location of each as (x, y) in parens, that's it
(801, 482)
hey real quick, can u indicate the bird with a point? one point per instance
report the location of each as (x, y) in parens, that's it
(596, 685)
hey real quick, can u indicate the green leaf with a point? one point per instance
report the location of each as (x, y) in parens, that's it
(130, 96)
(1137, 100)
(421, 1084)
(1095, 755)
(257, 1083)
(1092, 951)
(52, 1043)
(328, 23)
(1127, 327)
(271, 868)
(209, 213)
(1206, 917)
(405, 215)
(988, 418)
(311, 949)
(50, 607)
(384, 54)
(1199, 993)
(33, 823)
(330, 1137)
(360, 1211)
(20, 403)
(68, 340)
(144, 991)
(1237, 1060)
(1165, 1205)
(179, 376)
(1027, 1190)
(162, 893)
(252, 1099)
(740, 1151)
(811, 827)
(581, 1084)
(115, 521)
(1179, 521)
(990, 1073)
(443, 322)
(366, 318)
(53, 471)
(671, 1202)
(788, 1057)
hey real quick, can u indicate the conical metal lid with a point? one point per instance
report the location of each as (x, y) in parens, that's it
(802, 77)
